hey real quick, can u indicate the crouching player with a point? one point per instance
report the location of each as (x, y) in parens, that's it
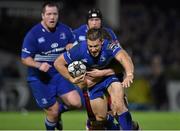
(97, 52)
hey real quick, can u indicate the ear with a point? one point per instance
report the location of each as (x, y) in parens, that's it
(42, 15)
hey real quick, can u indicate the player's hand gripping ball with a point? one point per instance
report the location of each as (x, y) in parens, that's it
(76, 68)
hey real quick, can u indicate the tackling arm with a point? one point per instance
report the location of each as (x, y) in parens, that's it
(128, 66)
(96, 73)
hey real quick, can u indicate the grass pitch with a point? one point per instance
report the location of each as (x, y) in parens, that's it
(75, 120)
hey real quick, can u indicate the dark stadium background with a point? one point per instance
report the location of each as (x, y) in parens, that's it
(148, 29)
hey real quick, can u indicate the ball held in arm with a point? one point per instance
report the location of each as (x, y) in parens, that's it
(76, 68)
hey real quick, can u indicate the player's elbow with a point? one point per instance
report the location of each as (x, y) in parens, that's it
(25, 61)
(22, 60)
(58, 62)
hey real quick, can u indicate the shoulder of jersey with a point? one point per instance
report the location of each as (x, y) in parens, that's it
(81, 28)
(81, 45)
(36, 27)
(64, 26)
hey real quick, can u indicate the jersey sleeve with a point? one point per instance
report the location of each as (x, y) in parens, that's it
(113, 36)
(29, 46)
(114, 48)
(75, 53)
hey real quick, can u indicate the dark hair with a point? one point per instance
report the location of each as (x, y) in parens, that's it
(106, 34)
(50, 4)
(94, 13)
(94, 34)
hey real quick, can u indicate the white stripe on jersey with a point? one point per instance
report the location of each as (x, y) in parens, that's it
(50, 57)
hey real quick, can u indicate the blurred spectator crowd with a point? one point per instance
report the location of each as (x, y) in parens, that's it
(148, 32)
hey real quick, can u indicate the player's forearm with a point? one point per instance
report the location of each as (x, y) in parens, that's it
(60, 66)
(107, 72)
(30, 62)
(129, 66)
(92, 81)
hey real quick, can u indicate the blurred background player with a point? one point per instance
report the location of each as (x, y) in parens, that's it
(97, 53)
(41, 46)
(94, 19)
(158, 81)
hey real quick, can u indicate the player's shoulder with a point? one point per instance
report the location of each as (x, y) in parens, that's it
(111, 33)
(63, 26)
(83, 43)
(81, 46)
(107, 42)
(36, 28)
(80, 28)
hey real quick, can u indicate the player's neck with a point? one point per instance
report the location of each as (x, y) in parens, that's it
(46, 28)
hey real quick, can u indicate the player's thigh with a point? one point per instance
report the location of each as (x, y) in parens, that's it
(116, 92)
(99, 107)
(72, 98)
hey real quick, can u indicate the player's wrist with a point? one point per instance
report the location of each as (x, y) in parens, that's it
(129, 74)
(38, 65)
(71, 79)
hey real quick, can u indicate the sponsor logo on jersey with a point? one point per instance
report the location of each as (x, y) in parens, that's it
(41, 40)
(44, 101)
(25, 50)
(54, 45)
(62, 36)
(69, 55)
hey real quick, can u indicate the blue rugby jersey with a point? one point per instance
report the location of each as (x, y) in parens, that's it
(81, 52)
(80, 33)
(44, 46)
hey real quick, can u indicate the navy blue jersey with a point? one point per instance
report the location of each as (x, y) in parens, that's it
(80, 33)
(44, 46)
(80, 52)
